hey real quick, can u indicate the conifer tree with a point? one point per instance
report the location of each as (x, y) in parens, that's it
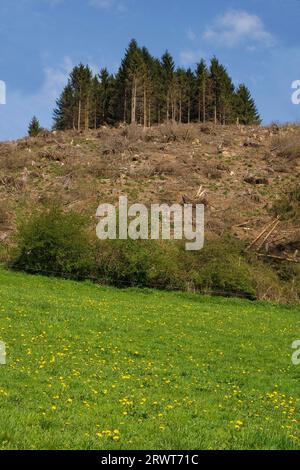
(81, 80)
(190, 92)
(226, 115)
(168, 71)
(96, 98)
(64, 113)
(132, 65)
(147, 90)
(147, 72)
(34, 128)
(216, 87)
(202, 78)
(181, 91)
(245, 108)
(106, 89)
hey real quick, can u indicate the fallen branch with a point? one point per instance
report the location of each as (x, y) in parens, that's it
(279, 258)
(269, 234)
(268, 227)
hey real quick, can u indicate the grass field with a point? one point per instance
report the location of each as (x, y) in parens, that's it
(92, 367)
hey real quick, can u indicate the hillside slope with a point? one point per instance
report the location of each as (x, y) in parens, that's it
(244, 171)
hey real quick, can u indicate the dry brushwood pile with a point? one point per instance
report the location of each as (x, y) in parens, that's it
(239, 173)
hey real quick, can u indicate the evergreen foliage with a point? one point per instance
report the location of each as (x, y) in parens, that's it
(149, 91)
(34, 128)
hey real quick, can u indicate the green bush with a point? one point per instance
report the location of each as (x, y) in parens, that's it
(54, 243)
(139, 263)
(219, 268)
(222, 268)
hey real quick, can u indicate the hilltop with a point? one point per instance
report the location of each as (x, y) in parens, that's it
(246, 172)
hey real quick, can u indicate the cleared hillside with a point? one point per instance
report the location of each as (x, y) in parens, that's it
(245, 171)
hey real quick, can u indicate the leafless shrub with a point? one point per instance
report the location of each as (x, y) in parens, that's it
(144, 169)
(53, 155)
(133, 133)
(211, 171)
(3, 213)
(7, 149)
(13, 162)
(114, 145)
(172, 132)
(11, 183)
(208, 129)
(167, 168)
(101, 169)
(288, 146)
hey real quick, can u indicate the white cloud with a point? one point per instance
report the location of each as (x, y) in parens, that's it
(190, 57)
(20, 107)
(106, 4)
(191, 35)
(238, 27)
(101, 3)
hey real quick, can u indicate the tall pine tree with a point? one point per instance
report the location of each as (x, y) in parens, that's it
(245, 108)
(147, 91)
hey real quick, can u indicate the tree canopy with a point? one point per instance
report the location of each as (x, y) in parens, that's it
(147, 91)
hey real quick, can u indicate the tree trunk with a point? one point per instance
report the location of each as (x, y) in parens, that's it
(87, 115)
(95, 117)
(79, 115)
(173, 110)
(168, 104)
(180, 111)
(204, 104)
(145, 108)
(125, 107)
(133, 102)
(149, 116)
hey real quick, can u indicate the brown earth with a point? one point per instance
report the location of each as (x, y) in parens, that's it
(243, 171)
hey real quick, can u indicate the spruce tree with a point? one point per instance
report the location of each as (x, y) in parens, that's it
(96, 108)
(147, 71)
(181, 92)
(168, 71)
(202, 78)
(64, 113)
(106, 92)
(34, 128)
(227, 108)
(132, 72)
(81, 83)
(245, 108)
(147, 90)
(216, 87)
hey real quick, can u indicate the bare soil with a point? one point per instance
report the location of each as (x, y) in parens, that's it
(243, 170)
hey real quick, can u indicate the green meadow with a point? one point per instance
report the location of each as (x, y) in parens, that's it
(92, 367)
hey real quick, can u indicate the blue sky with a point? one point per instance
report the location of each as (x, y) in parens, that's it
(258, 41)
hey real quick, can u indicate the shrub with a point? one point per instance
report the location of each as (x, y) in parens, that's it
(126, 263)
(288, 147)
(3, 213)
(288, 206)
(53, 242)
(221, 268)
